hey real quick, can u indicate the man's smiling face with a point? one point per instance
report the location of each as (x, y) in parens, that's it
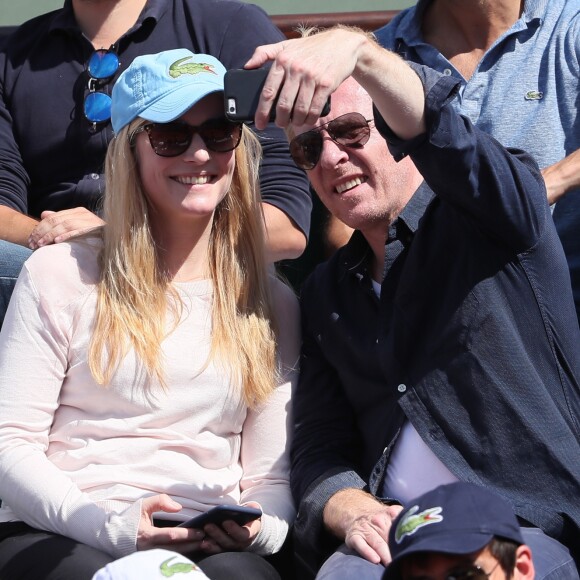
(363, 187)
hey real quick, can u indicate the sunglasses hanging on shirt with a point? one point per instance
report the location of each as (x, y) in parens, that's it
(101, 68)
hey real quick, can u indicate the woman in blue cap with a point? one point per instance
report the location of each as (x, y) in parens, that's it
(159, 355)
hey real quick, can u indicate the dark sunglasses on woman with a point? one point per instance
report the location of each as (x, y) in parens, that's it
(173, 139)
(350, 130)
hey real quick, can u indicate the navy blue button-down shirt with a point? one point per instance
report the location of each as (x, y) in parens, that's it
(476, 319)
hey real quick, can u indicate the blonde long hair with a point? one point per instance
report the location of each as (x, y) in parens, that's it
(135, 293)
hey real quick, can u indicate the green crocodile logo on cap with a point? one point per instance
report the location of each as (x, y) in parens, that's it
(177, 568)
(193, 68)
(412, 521)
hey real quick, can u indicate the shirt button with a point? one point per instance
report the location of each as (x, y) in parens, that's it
(447, 72)
(95, 176)
(402, 388)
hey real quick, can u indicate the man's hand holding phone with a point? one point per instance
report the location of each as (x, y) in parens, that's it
(242, 91)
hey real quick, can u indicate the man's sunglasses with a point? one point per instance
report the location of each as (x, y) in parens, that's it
(350, 130)
(173, 139)
(101, 68)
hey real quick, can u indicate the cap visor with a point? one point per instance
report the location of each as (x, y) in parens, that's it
(459, 543)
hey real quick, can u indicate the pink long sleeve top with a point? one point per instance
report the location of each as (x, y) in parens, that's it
(76, 458)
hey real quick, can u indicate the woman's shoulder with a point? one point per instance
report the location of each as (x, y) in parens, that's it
(66, 267)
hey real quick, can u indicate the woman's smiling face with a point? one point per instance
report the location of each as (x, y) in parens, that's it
(191, 185)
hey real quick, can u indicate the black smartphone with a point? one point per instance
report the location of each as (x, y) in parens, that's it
(242, 90)
(219, 514)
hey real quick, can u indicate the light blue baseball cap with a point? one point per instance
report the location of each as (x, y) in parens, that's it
(161, 87)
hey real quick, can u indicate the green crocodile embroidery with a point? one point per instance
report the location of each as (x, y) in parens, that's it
(193, 68)
(413, 521)
(534, 96)
(177, 568)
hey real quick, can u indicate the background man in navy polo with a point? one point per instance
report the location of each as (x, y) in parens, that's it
(52, 155)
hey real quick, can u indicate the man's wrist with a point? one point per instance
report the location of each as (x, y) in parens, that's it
(344, 507)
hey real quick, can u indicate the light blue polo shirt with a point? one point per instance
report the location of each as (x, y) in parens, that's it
(524, 92)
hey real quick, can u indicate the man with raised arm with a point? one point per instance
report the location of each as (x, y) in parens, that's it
(441, 343)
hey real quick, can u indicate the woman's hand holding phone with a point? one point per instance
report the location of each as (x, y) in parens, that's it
(230, 536)
(212, 532)
(182, 540)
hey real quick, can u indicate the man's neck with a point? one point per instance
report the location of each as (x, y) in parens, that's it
(463, 30)
(103, 22)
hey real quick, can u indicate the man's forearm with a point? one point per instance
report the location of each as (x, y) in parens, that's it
(284, 240)
(15, 227)
(562, 176)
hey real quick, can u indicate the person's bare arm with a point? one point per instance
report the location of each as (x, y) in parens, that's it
(284, 240)
(305, 71)
(54, 227)
(562, 176)
(15, 227)
(362, 522)
(59, 226)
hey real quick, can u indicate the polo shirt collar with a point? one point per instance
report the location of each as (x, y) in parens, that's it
(65, 18)
(409, 29)
(534, 9)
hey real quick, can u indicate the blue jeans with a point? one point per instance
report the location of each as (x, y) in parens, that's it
(12, 256)
(552, 561)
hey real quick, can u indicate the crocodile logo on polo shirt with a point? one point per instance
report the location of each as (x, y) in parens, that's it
(534, 96)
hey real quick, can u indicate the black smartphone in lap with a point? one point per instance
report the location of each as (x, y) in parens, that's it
(242, 90)
(219, 514)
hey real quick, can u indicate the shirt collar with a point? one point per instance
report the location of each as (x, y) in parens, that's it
(65, 20)
(409, 29)
(416, 206)
(534, 9)
(357, 251)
